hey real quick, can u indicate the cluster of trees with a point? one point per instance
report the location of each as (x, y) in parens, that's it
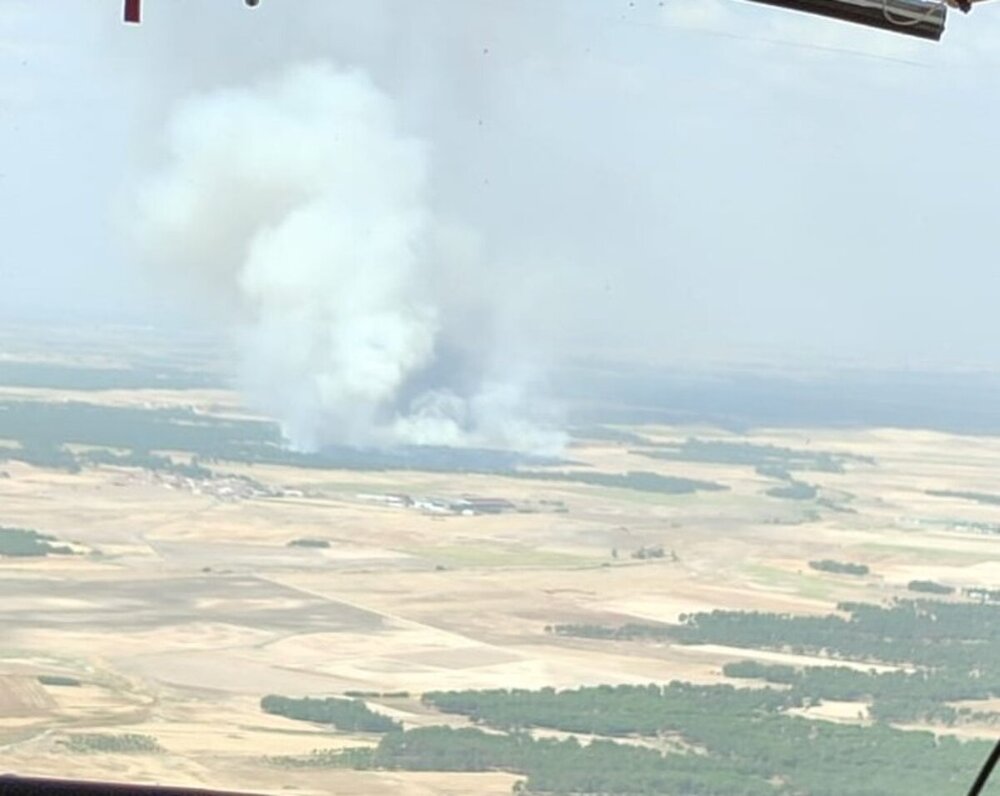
(929, 587)
(951, 649)
(793, 490)
(770, 461)
(550, 766)
(564, 766)
(928, 633)
(145, 459)
(636, 480)
(37, 425)
(747, 740)
(839, 567)
(977, 497)
(123, 743)
(59, 680)
(351, 715)
(894, 697)
(766, 459)
(745, 746)
(24, 543)
(607, 710)
(58, 457)
(308, 542)
(954, 646)
(42, 454)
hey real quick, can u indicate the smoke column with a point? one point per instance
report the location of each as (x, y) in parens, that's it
(300, 207)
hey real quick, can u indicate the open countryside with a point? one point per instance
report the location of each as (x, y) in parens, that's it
(662, 608)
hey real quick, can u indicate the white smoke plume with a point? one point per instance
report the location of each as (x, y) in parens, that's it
(302, 209)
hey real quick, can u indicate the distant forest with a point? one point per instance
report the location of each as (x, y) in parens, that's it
(129, 436)
(738, 400)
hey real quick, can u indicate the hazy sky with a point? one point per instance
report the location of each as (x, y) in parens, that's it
(676, 180)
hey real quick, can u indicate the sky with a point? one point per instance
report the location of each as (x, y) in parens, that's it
(684, 181)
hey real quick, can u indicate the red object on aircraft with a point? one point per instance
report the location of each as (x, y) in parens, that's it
(132, 10)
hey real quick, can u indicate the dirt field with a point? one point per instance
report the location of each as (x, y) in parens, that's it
(187, 609)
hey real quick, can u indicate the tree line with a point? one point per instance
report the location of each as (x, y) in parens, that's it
(344, 714)
(839, 567)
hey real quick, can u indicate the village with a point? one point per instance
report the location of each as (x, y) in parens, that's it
(465, 505)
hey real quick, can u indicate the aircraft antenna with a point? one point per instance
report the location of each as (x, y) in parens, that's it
(906, 22)
(985, 771)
